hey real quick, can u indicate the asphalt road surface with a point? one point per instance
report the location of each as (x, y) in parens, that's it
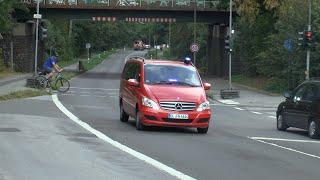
(40, 142)
(240, 144)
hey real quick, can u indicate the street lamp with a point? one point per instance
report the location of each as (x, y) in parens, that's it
(194, 28)
(36, 16)
(308, 50)
(230, 35)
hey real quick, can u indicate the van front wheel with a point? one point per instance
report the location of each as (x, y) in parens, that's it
(139, 125)
(202, 130)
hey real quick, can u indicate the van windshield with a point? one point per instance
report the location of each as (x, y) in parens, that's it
(173, 75)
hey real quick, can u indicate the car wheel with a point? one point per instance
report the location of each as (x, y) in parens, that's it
(139, 125)
(313, 129)
(124, 117)
(281, 123)
(202, 130)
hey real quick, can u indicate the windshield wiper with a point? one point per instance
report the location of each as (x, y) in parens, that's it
(175, 82)
(186, 84)
(162, 82)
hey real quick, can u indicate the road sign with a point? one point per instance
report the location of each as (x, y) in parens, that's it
(88, 45)
(288, 45)
(37, 16)
(194, 47)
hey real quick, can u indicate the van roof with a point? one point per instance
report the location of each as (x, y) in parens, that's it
(158, 61)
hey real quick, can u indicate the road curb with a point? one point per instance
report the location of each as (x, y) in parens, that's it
(2, 83)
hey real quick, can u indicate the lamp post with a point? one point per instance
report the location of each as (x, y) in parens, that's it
(37, 39)
(308, 50)
(195, 29)
(230, 38)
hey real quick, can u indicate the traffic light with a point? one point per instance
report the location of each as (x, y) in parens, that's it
(43, 31)
(310, 40)
(302, 40)
(228, 44)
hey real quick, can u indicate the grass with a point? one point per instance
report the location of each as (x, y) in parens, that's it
(68, 75)
(22, 94)
(6, 73)
(260, 83)
(88, 65)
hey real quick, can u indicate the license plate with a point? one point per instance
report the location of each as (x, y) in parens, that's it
(178, 116)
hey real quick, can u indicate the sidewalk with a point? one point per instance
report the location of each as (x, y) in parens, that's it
(248, 96)
(13, 83)
(18, 82)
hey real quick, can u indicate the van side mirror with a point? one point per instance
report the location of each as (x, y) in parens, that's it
(207, 86)
(133, 82)
(287, 94)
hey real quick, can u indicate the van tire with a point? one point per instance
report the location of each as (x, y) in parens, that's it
(202, 130)
(139, 125)
(314, 129)
(124, 117)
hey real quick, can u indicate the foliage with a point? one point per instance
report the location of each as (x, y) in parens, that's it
(182, 38)
(262, 28)
(7, 7)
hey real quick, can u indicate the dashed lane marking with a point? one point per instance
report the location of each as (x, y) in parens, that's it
(254, 112)
(118, 145)
(85, 95)
(229, 102)
(224, 105)
(239, 108)
(90, 107)
(95, 89)
(286, 148)
(273, 117)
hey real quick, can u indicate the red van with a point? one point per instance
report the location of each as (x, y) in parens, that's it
(163, 93)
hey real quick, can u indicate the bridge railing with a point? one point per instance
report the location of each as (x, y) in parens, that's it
(129, 4)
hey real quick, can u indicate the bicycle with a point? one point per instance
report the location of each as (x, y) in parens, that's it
(60, 83)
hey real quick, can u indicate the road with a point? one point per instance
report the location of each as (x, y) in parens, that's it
(40, 142)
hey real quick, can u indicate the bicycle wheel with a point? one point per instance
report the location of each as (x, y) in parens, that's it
(62, 85)
(41, 82)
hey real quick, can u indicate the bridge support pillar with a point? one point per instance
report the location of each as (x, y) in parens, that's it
(216, 55)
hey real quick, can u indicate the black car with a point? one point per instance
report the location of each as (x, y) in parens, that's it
(301, 109)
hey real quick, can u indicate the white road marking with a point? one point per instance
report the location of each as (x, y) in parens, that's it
(273, 117)
(118, 145)
(239, 108)
(254, 112)
(84, 95)
(90, 107)
(289, 149)
(286, 140)
(95, 89)
(224, 105)
(228, 102)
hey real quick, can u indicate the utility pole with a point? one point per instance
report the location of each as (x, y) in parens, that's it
(37, 39)
(169, 43)
(308, 50)
(195, 29)
(230, 38)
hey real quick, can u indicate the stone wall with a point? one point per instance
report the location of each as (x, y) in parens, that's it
(23, 46)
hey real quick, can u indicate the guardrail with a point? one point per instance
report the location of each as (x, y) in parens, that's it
(136, 4)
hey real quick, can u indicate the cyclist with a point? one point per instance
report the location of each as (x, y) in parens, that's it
(50, 66)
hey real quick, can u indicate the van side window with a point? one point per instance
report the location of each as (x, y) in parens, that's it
(132, 71)
(137, 72)
(129, 71)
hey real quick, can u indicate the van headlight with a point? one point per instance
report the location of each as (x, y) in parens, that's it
(204, 106)
(149, 103)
